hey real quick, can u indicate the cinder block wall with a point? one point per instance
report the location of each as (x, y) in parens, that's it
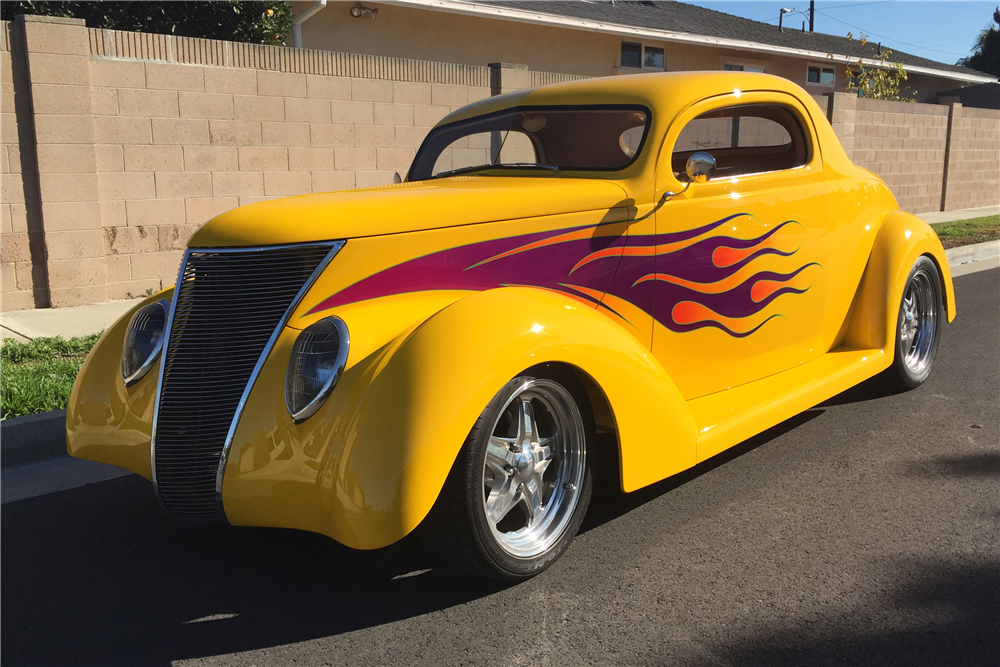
(973, 177)
(116, 146)
(139, 139)
(23, 279)
(904, 143)
(933, 157)
(180, 142)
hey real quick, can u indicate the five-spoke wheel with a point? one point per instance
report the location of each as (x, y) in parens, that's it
(520, 487)
(917, 326)
(533, 468)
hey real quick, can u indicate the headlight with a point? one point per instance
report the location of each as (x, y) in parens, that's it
(143, 341)
(318, 358)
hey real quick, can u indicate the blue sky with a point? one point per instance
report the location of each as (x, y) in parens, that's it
(942, 31)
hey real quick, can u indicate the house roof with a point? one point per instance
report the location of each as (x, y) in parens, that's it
(675, 21)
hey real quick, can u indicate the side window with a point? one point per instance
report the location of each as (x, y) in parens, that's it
(748, 139)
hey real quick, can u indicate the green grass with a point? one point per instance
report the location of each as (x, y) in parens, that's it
(966, 232)
(38, 376)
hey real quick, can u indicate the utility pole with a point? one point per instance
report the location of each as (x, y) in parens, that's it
(812, 14)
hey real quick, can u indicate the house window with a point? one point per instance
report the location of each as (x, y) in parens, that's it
(631, 55)
(653, 58)
(639, 56)
(733, 67)
(820, 76)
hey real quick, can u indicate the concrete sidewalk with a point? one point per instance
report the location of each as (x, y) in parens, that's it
(25, 325)
(938, 217)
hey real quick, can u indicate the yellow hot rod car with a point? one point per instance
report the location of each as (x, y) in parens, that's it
(670, 263)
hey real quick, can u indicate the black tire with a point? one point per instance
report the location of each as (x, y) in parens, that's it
(459, 528)
(918, 328)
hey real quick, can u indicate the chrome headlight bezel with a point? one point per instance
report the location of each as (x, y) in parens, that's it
(317, 334)
(158, 310)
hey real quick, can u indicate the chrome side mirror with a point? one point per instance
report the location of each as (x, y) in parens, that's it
(700, 167)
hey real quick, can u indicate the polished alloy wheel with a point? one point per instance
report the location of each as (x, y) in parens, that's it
(918, 322)
(534, 468)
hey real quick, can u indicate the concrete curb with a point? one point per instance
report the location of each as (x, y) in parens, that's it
(968, 259)
(32, 438)
(977, 252)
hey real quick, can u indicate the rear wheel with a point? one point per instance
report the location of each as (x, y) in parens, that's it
(918, 327)
(520, 487)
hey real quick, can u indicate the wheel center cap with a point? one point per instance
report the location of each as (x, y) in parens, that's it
(524, 462)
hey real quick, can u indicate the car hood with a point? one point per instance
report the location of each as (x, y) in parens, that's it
(405, 207)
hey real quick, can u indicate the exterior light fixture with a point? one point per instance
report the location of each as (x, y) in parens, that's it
(781, 16)
(786, 10)
(359, 10)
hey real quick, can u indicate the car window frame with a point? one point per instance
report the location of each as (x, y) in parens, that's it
(558, 107)
(667, 182)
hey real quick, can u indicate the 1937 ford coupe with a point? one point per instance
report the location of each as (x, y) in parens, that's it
(674, 262)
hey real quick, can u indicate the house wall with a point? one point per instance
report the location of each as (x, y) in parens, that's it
(403, 32)
(441, 36)
(116, 146)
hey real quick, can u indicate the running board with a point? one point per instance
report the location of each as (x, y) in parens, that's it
(770, 401)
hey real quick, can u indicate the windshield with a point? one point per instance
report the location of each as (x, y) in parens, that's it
(581, 138)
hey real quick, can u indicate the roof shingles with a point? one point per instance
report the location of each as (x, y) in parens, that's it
(680, 17)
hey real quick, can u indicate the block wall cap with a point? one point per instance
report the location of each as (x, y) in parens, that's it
(509, 66)
(31, 18)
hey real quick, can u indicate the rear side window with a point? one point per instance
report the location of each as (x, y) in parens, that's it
(747, 139)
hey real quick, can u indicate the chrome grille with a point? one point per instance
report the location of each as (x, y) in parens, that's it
(227, 309)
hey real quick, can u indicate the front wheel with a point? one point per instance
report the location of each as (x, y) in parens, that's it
(918, 327)
(520, 487)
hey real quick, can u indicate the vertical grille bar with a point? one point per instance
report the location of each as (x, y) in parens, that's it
(228, 308)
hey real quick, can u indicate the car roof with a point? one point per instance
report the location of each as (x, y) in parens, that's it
(664, 92)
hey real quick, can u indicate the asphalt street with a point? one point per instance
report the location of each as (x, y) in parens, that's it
(863, 532)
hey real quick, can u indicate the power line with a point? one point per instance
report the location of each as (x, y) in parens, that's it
(859, 4)
(890, 39)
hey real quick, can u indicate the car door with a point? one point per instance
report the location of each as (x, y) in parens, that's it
(742, 261)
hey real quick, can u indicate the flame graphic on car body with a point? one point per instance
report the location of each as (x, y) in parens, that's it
(687, 280)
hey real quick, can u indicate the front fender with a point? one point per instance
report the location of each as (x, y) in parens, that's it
(902, 238)
(397, 420)
(421, 408)
(105, 421)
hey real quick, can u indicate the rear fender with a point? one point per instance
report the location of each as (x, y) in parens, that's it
(901, 239)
